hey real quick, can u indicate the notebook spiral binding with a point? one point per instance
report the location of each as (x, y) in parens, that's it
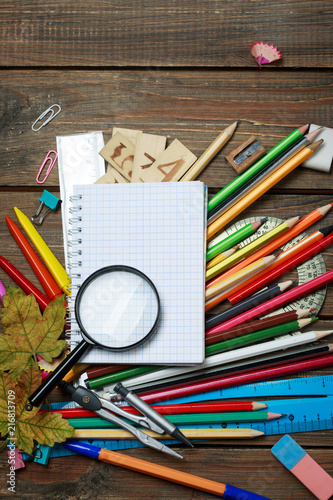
(73, 251)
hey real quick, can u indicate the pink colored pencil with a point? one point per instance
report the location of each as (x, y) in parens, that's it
(279, 301)
(244, 378)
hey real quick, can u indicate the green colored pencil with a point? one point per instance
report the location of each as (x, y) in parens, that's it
(258, 336)
(272, 154)
(183, 419)
(113, 378)
(234, 238)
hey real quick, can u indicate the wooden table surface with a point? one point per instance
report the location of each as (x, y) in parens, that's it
(184, 70)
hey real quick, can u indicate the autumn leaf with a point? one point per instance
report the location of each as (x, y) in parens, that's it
(46, 428)
(27, 332)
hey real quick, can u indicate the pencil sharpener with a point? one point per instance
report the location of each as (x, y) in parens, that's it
(246, 154)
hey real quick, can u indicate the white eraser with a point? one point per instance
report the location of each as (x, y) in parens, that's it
(322, 158)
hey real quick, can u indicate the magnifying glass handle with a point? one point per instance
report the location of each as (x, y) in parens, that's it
(57, 375)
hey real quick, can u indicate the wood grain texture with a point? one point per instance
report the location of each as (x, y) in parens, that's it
(193, 107)
(194, 33)
(79, 477)
(182, 70)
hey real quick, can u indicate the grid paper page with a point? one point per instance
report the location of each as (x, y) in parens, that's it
(158, 228)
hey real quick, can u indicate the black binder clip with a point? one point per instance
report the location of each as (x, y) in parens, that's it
(48, 200)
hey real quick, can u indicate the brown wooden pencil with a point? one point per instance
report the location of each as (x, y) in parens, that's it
(256, 325)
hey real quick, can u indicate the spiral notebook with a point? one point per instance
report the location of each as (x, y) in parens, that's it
(158, 228)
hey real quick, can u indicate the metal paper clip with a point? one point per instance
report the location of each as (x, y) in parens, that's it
(52, 162)
(50, 201)
(52, 115)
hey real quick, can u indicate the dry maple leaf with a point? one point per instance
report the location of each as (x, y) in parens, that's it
(28, 332)
(45, 428)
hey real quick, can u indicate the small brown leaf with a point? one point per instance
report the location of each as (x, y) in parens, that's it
(28, 332)
(46, 428)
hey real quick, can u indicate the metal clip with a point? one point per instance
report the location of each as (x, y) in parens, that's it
(50, 201)
(48, 110)
(52, 162)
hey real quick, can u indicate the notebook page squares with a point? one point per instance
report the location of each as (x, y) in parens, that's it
(158, 228)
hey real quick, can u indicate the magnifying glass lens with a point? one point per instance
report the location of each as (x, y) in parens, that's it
(117, 309)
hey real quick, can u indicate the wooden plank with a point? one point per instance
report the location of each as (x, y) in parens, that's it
(193, 107)
(254, 470)
(205, 33)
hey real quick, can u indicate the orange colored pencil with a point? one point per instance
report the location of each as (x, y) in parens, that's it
(222, 290)
(258, 191)
(44, 277)
(296, 249)
(281, 240)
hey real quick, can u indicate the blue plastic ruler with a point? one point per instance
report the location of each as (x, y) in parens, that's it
(301, 415)
(321, 385)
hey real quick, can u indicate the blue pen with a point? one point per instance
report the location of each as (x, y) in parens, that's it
(225, 491)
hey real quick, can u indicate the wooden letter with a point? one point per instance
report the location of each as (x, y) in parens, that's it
(147, 149)
(119, 152)
(171, 165)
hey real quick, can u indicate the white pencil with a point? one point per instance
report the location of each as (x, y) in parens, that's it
(222, 358)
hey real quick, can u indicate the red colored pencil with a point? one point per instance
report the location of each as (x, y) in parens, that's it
(276, 302)
(245, 378)
(257, 282)
(24, 283)
(44, 277)
(215, 407)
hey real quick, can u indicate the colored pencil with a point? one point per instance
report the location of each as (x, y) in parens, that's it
(240, 277)
(261, 176)
(279, 301)
(51, 262)
(74, 372)
(189, 433)
(231, 369)
(184, 419)
(258, 336)
(247, 304)
(258, 191)
(2, 291)
(251, 247)
(212, 407)
(113, 378)
(245, 378)
(291, 258)
(44, 277)
(210, 152)
(24, 283)
(222, 256)
(281, 240)
(98, 370)
(255, 325)
(234, 238)
(231, 356)
(269, 157)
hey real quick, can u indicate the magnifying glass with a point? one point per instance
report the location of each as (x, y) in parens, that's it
(117, 308)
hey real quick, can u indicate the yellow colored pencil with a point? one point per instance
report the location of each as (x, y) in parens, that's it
(250, 248)
(189, 433)
(237, 278)
(210, 152)
(50, 260)
(222, 256)
(258, 191)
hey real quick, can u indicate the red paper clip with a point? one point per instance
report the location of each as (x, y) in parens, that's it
(52, 162)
